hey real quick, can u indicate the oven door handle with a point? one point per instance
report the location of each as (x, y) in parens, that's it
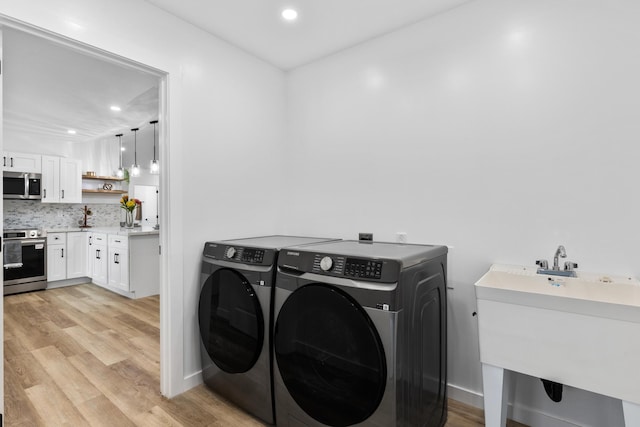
(32, 242)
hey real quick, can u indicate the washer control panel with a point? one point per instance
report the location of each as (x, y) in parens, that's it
(252, 255)
(326, 263)
(365, 269)
(239, 254)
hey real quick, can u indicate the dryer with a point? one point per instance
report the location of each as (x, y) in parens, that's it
(235, 319)
(360, 335)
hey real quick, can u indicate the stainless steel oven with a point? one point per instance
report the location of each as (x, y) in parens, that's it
(22, 185)
(24, 260)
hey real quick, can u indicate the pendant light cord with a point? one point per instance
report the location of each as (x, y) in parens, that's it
(153, 122)
(135, 145)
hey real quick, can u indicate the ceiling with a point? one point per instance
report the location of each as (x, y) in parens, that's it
(50, 89)
(323, 27)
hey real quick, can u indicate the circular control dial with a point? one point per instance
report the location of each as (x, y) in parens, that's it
(231, 252)
(326, 263)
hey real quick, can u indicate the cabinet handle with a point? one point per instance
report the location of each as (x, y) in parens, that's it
(63, 194)
(45, 193)
(97, 253)
(12, 162)
(4, 161)
(90, 237)
(116, 258)
(62, 251)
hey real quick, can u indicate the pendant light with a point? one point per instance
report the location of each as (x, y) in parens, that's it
(120, 171)
(135, 167)
(154, 166)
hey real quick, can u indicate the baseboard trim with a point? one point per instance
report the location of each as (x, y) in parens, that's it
(466, 396)
(520, 413)
(192, 380)
(68, 282)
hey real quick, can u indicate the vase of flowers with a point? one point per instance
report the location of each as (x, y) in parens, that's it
(129, 205)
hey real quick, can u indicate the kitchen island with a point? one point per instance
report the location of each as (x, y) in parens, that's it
(124, 261)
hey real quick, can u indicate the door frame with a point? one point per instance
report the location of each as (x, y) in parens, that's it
(171, 376)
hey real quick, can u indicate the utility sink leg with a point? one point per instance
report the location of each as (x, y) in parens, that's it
(631, 414)
(496, 390)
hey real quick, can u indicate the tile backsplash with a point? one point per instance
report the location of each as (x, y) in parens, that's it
(35, 214)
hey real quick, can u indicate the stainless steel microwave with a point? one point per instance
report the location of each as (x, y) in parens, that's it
(22, 185)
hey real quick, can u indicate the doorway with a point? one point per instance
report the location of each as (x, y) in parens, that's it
(163, 143)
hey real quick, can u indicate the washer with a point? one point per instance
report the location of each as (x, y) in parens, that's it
(360, 335)
(235, 319)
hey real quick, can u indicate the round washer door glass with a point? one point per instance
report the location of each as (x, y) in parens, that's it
(231, 322)
(330, 355)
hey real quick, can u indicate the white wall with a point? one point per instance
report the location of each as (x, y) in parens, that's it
(502, 128)
(223, 104)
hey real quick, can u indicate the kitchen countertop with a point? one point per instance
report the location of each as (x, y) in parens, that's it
(136, 231)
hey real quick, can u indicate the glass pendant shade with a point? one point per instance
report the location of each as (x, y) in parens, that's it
(120, 171)
(135, 167)
(154, 165)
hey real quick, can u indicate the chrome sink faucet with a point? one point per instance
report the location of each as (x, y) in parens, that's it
(560, 252)
(569, 266)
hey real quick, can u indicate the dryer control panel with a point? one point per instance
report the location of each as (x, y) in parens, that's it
(239, 254)
(378, 270)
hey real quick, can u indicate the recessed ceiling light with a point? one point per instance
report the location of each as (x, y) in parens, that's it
(71, 131)
(290, 14)
(115, 108)
(123, 149)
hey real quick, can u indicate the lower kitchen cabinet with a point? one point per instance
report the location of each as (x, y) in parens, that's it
(66, 256)
(118, 270)
(98, 258)
(128, 265)
(125, 264)
(56, 262)
(76, 254)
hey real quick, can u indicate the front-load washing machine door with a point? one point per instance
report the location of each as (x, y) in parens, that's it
(231, 321)
(329, 355)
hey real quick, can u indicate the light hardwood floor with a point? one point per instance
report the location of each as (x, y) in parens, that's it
(83, 356)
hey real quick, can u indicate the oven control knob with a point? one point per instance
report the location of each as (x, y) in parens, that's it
(326, 263)
(231, 252)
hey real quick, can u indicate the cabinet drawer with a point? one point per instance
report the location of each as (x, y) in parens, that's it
(116, 241)
(56, 238)
(98, 239)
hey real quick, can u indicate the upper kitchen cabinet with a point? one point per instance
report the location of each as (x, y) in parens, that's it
(21, 162)
(61, 180)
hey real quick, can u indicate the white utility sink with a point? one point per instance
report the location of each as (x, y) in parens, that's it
(583, 332)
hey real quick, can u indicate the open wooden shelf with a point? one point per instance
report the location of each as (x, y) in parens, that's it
(104, 178)
(86, 190)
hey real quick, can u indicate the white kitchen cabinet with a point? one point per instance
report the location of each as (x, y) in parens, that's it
(66, 255)
(98, 258)
(61, 180)
(21, 162)
(76, 254)
(119, 262)
(56, 262)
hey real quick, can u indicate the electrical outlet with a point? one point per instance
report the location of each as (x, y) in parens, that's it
(401, 237)
(367, 237)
